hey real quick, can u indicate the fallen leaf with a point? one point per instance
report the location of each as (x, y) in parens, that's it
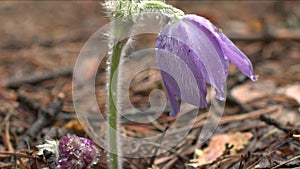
(252, 91)
(216, 147)
(292, 91)
(74, 125)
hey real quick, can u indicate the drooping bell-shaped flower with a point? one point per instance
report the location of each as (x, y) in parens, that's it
(191, 53)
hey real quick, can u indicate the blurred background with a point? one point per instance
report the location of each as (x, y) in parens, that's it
(47, 35)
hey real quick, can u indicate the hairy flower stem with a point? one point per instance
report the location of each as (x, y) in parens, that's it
(112, 113)
(123, 14)
(120, 29)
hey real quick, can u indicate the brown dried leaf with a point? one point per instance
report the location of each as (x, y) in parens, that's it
(252, 91)
(216, 147)
(74, 125)
(292, 91)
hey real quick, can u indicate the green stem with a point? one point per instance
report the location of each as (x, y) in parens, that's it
(120, 30)
(112, 111)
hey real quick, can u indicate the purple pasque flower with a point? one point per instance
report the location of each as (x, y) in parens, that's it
(76, 152)
(191, 53)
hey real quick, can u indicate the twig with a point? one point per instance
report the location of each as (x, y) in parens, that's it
(156, 148)
(157, 125)
(162, 160)
(292, 159)
(170, 163)
(18, 154)
(6, 165)
(7, 135)
(161, 147)
(273, 122)
(227, 119)
(29, 103)
(45, 118)
(180, 154)
(16, 82)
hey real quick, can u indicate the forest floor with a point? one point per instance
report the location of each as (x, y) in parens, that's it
(260, 126)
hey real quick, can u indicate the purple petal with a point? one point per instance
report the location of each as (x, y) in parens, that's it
(199, 50)
(209, 52)
(194, 52)
(180, 81)
(230, 50)
(188, 68)
(237, 57)
(172, 91)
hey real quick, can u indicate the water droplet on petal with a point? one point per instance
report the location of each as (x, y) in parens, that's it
(221, 98)
(254, 77)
